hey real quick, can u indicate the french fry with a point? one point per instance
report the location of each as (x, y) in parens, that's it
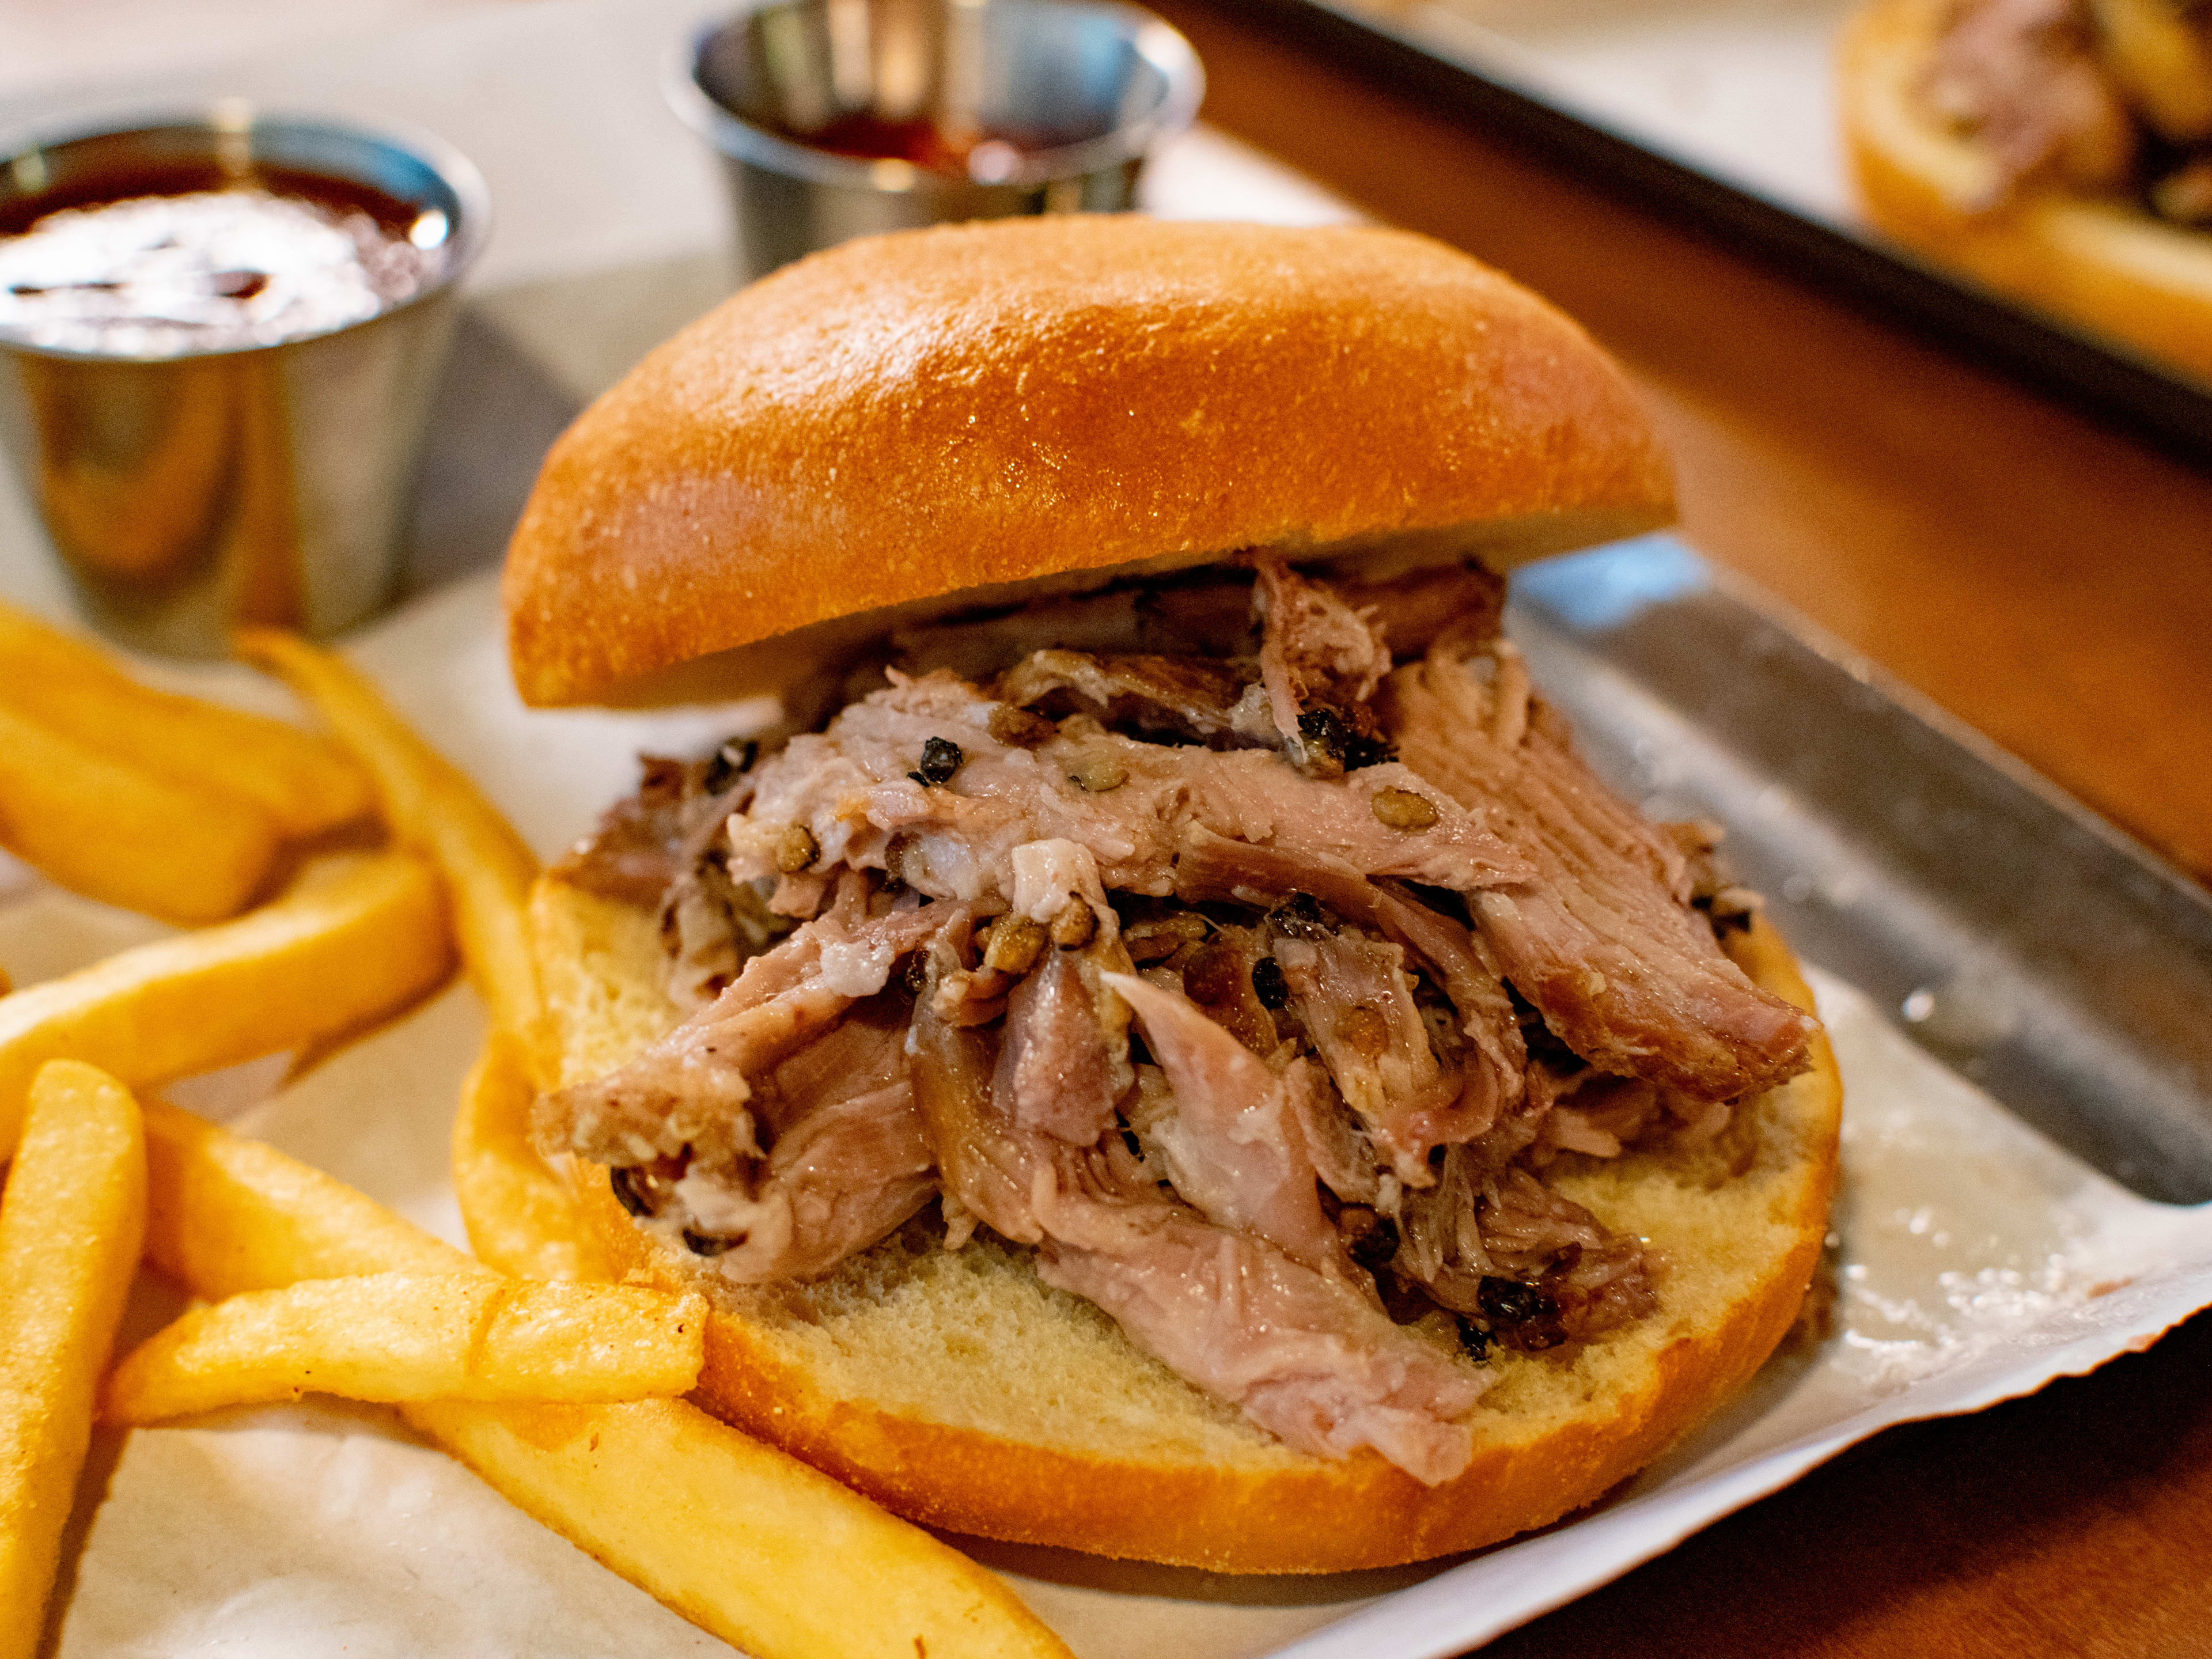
(744, 1541)
(521, 1217)
(344, 946)
(70, 1222)
(123, 836)
(304, 783)
(225, 1215)
(767, 1553)
(434, 809)
(392, 1337)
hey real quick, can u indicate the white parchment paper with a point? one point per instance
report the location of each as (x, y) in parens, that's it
(1973, 1260)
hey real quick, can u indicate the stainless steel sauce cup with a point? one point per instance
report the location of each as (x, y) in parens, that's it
(187, 493)
(1067, 95)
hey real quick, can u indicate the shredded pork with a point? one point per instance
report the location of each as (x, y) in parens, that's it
(2109, 98)
(1250, 949)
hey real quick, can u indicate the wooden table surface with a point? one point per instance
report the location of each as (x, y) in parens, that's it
(2045, 580)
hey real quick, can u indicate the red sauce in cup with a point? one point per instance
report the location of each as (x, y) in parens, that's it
(984, 155)
(178, 261)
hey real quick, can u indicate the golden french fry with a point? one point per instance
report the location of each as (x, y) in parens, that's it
(434, 809)
(403, 1336)
(123, 836)
(345, 944)
(225, 1215)
(741, 1540)
(70, 1221)
(768, 1554)
(521, 1217)
(302, 783)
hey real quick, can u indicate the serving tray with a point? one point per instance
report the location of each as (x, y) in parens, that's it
(2016, 963)
(1979, 943)
(2005, 928)
(1721, 114)
(1962, 921)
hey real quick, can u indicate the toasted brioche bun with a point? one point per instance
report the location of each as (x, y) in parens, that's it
(957, 1390)
(2103, 262)
(973, 415)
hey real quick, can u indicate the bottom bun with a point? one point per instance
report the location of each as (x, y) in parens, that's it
(958, 1391)
(2103, 262)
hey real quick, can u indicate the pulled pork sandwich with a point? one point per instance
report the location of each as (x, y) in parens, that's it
(2060, 150)
(1171, 1052)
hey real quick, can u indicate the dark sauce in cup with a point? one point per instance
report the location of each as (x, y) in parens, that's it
(984, 155)
(168, 261)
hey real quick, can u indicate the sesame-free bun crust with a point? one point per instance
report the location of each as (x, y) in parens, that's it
(973, 414)
(2105, 263)
(957, 1390)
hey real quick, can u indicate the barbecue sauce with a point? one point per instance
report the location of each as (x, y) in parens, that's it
(986, 156)
(165, 261)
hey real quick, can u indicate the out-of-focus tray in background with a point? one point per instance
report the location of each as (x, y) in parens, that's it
(1722, 113)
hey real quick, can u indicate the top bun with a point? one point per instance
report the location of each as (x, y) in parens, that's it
(968, 414)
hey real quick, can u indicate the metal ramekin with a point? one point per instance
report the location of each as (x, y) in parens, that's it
(187, 494)
(1108, 80)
